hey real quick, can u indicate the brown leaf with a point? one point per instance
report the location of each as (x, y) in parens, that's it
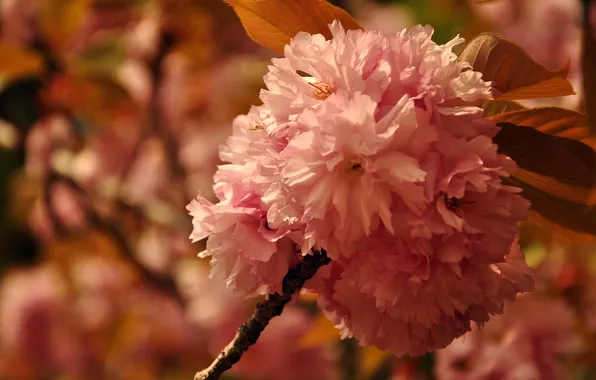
(514, 73)
(496, 107)
(578, 217)
(370, 360)
(321, 333)
(18, 62)
(589, 70)
(273, 23)
(554, 121)
(558, 174)
(60, 20)
(564, 159)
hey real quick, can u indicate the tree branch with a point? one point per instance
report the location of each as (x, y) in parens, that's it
(250, 331)
(162, 282)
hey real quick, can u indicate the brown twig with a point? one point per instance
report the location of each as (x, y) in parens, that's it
(162, 282)
(166, 42)
(250, 331)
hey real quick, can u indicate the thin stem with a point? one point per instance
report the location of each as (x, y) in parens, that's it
(249, 332)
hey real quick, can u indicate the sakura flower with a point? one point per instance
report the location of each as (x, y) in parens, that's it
(366, 295)
(244, 251)
(527, 342)
(373, 148)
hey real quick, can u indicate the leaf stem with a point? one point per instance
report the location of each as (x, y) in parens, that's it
(249, 332)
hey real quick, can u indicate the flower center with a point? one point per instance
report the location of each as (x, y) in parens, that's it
(451, 203)
(322, 90)
(354, 165)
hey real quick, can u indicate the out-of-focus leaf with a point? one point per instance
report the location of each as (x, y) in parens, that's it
(322, 332)
(535, 254)
(104, 57)
(370, 360)
(23, 190)
(273, 23)
(589, 66)
(93, 243)
(18, 62)
(98, 98)
(496, 107)
(308, 296)
(514, 73)
(60, 20)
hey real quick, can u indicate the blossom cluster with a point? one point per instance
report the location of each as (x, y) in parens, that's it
(374, 148)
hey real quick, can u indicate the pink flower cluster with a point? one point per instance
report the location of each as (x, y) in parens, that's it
(373, 148)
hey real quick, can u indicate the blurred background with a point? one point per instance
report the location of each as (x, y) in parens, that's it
(111, 113)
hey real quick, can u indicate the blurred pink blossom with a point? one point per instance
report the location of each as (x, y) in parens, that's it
(17, 18)
(35, 321)
(529, 341)
(386, 18)
(46, 137)
(67, 208)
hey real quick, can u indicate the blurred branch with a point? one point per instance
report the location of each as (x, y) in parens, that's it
(166, 42)
(249, 332)
(349, 358)
(19, 106)
(162, 282)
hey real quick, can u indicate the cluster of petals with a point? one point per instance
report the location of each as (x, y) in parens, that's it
(373, 148)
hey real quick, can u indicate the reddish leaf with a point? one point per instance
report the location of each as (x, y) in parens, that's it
(589, 65)
(565, 159)
(558, 174)
(273, 23)
(578, 217)
(514, 73)
(497, 107)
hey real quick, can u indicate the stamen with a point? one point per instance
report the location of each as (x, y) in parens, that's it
(323, 90)
(354, 165)
(451, 203)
